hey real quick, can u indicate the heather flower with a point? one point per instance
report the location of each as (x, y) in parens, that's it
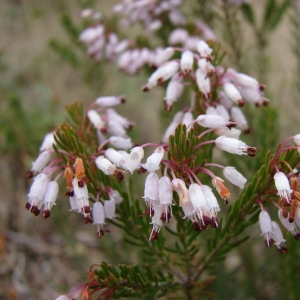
(165, 193)
(110, 100)
(265, 223)
(222, 111)
(109, 208)
(42, 160)
(115, 195)
(206, 67)
(116, 129)
(234, 177)
(233, 93)
(135, 157)
(213, 121)
(165, 55)
(105, 165)
(177, 119)
(204, 50)
(120, 142)
(277, 237)
(239, 118)
(48, 142)
(234, 146)
(212, 206)
(290, 226)
(228, 132)
(203, 83)
(187, 120)
(95, 119)
(37, 193)
(50, 197)
(186, 62)
(173, 92)
(283, 186)
(153, 161)
(115, 157)
(178, 36)
(156, 220)
(99, 218)
(211, 111)
(198, 200)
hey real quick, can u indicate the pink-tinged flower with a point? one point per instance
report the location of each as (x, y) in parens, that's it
(178, 36)
(234, 146)
(95, 119)
(229, 132)
(110, 100)
(176, 17)
(234, 177)
(283, 186)
(153, 161)
(206, 32)
(90, 34)
(99, 218)
(203, 83)
(165, 193)
(121, 46)
(246, 81)
(204, 50)
(113, 116)
(212, 121)
(277, 237)
(120, 142)
(74, 204)
(165, 55)
(180, 188)
(151, 192)
(233, 93)
(116, 129)
(134, 159)
(42, 160)
(105, 165)
(50, 198)
(265, 224)
(37, 193)
(177, 119)
(48, 142)
(187, 62)
(109, 208)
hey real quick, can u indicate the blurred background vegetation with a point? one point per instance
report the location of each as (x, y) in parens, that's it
(43, 68)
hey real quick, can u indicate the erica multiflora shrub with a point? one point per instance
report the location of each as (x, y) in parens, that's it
(183, 188)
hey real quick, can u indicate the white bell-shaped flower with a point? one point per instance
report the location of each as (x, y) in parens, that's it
(42, 160)
(151, 187)
(115, 195)
(165, 55)
(95, 119)
(265, 224)
(212, 205)
(74, 204)
(110, 208)
(229, 132)
(198, 200)
(105, 165)
(233, 93)
(283, 186)
(222, 111)
(212, 121)
(48, 142)
(99, 218)
(115, 157)
(156, 220)
(239, 118)
(234, 177)
(165, 193)
(153, 161)
(50, 197)
(204, 50)
(37, 193)
(277, 237)
(203, 83)
(186, 62)
(108, 101)
(211, 111)
(135, 157)
(234, 146)
(120, 142)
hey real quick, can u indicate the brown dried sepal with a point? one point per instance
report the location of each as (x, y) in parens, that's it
(283, 250)
(69, 176)
(29, 174)
(251, 151)
(119, 175)
(87, 219)
(154, 235)
(79, 170)
(294, 184)
(46, 214)
(165, 217)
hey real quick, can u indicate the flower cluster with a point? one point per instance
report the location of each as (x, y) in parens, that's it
(288, 205)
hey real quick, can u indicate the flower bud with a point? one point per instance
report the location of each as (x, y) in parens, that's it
(48, 142)
(212, 121)
(41, 161)
(110, 100)
(95, 119)
(234, 146)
